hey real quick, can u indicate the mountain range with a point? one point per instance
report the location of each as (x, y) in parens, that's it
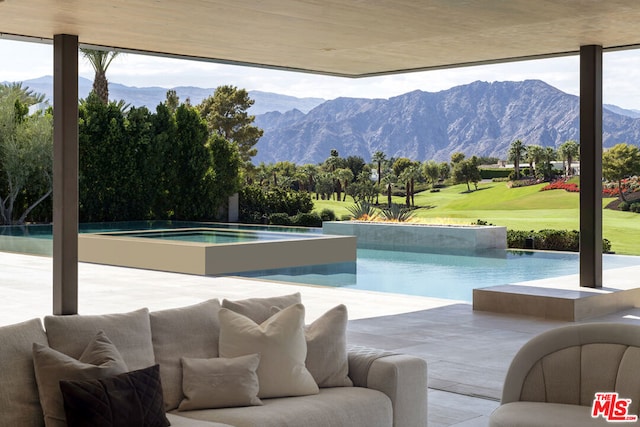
(479, 118)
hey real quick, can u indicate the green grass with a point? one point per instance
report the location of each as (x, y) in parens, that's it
(524, 208)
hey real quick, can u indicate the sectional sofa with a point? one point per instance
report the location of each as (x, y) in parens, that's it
(231, 363)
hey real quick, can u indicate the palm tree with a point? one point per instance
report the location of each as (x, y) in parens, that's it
(379, 157)
(100, 61)
(516, 152)
(535, 154)
(569, 150)
(409, 175)
(346, 176)
(23, 94)
(388, 180)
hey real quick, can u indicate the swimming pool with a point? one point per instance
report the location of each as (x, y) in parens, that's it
(441, 275)
(219, 236)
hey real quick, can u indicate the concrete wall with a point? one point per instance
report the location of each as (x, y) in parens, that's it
(399, 236)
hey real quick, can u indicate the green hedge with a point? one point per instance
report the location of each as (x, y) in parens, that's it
(495, 173)
(552, 240)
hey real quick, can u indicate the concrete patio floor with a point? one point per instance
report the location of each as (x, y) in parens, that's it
(467, 352)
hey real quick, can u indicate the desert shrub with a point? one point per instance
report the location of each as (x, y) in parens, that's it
(362, 211)
(397, 213)
(310, 219)
(279, 218)
(327, 215)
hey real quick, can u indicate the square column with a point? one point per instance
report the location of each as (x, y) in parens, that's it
(591, 166)
(65, 174)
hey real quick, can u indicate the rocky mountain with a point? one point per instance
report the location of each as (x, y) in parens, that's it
(152, 96)
(478, 119)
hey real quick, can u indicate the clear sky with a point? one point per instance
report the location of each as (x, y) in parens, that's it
(22, 61)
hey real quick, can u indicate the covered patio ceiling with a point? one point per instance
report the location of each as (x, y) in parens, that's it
(353, 38)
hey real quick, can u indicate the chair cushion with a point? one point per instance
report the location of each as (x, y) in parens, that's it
(129, 332)
(538, 414)
(192, 332)
(19, 391)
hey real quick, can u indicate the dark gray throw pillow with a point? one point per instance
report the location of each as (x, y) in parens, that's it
(132, 399)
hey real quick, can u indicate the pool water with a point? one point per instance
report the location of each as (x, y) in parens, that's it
(437, 275)
(217, 236)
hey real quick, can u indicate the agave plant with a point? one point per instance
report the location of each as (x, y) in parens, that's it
(397, 213)
(363, 211)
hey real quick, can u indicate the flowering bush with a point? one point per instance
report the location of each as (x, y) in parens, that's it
(562, 185)
(628, 185)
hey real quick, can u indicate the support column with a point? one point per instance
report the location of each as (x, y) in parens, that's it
(591, 166)
(65, 174)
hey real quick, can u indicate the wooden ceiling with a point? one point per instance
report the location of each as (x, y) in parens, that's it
(338, 37)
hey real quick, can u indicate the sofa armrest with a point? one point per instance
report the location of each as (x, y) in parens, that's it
(401, 377)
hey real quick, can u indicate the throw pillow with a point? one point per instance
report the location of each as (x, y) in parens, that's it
(183, 332)
(99, 359)
(129, 332)
(327, 358)
(220, 382)
(132, 399)
(282, 347)
(259, 309)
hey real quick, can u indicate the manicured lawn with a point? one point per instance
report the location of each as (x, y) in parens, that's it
(525, 208)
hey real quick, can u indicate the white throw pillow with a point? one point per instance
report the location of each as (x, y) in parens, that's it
(281, 344)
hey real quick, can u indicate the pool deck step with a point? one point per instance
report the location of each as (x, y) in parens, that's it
(554, 303)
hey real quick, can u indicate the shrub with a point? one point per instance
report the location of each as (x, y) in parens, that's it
(362, 211)
(495, 173)
(562, 185)
(279, 218)
(327, 215)
(434, 190)
(624, 206)
(254, 202)
(310, 219)
(551, 240)
(506, 179)
(345, 217)
(635, 207)
(397, 213)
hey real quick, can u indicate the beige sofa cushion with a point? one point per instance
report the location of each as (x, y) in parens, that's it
(192, 332)
(260, 309)
(129, 332)
(339, 406)
(18, 389)
(100, 359)
(280, 341)
(220, 382)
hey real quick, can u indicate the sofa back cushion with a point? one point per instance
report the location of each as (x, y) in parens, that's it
(129, 332)
(260, 309)
(19, 402)
(574, 374)
(191, 332)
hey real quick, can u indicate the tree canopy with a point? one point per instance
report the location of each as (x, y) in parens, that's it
(226, 115)
(619, 162)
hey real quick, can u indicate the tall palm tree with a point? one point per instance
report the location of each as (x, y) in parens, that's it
(569, 150)
(535, 154)
(409, 176)
(516, 152)
(388, 180)
(379, 157)
(100, 61)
